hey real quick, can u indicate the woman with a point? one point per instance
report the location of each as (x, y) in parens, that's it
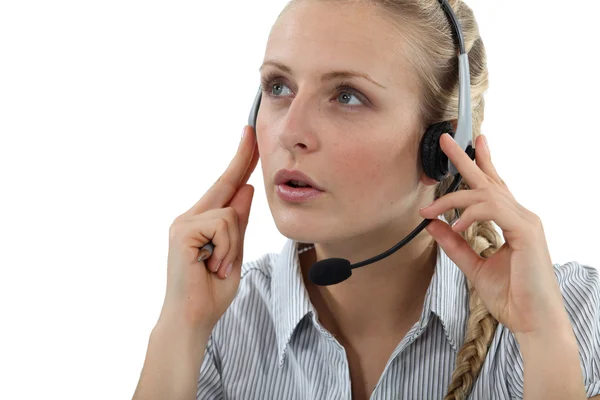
(455, 313)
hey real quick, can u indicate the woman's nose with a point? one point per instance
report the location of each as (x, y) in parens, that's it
(297, 132)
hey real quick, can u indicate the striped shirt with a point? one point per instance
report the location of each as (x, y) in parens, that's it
(269, 344)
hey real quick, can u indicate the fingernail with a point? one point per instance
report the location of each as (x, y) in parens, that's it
(218, 265)
(455, 222)
(242, 139)
(228, 270)
(426, 206)
(487, 145)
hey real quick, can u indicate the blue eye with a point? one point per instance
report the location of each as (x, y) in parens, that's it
(271, 86)
(345, 93)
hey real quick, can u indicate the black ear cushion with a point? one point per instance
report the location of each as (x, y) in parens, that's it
(433, 159)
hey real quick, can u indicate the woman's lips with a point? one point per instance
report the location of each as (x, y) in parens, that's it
(297, 195)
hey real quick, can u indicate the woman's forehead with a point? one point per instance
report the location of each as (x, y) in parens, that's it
(322, 36)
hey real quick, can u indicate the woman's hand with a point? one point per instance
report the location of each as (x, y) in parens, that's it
(198, 293)
(517, 284)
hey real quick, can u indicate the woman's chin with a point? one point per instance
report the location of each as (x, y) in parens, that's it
(301, 229)
(300, 232)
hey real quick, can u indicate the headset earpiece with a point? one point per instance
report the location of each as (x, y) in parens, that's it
(433, 160)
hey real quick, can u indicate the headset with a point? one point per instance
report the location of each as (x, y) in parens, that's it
(435, 163)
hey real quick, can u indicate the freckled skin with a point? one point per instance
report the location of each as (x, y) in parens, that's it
(365, 156)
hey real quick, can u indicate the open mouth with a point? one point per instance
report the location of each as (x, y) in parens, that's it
(297, 184)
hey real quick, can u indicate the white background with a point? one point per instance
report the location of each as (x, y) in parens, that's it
(116, 116)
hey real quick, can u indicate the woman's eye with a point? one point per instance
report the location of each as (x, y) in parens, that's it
(345, 94)
(275, 85)
(348, 95)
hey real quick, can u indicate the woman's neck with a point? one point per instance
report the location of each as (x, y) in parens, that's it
(382, 298)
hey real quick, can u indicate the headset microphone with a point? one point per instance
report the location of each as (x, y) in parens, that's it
(435, 163)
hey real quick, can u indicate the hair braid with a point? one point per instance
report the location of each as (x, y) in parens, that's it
(481, 325)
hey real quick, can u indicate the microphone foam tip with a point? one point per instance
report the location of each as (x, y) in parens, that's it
(330, 271)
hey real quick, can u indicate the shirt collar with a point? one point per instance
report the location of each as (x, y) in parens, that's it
(291, 301)
(446, 297)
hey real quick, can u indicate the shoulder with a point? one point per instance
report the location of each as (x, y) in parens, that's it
(579, 283)
(255, 284)
(580, 288)
(261, 267)
(255, 280)
(251, 309)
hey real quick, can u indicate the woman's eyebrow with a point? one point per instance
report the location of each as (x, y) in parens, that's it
(326, 77)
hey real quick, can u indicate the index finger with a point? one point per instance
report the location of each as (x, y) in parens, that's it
(467, 168)
(237, 173)
(252, 165)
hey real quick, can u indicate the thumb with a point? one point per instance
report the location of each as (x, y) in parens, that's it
(455, 246)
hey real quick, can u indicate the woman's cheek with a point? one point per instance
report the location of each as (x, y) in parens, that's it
(359, 170)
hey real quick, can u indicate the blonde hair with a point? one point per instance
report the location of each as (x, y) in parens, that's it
(431, 51)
